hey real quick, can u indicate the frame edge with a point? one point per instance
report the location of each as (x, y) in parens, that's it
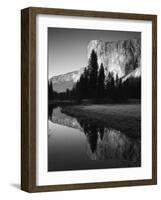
(24, 99)
(154, 99)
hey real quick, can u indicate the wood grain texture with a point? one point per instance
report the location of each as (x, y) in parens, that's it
(24, 100)
(28, 98)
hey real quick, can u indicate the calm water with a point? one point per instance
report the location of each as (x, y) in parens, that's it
(75, 144)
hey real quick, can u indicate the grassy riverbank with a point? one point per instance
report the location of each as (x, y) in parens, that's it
(123, 117)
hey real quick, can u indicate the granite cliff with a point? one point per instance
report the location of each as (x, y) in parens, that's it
(119, 57)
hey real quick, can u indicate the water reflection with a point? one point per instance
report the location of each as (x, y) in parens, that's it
(56, 116)
(106, 143)
(102, 143)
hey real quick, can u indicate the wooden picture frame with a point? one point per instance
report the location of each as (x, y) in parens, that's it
(28, 98)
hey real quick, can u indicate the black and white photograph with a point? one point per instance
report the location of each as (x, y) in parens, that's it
(94, 99)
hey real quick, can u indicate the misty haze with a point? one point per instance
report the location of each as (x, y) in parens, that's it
(94, 99)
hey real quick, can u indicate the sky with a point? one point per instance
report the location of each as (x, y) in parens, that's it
(67, 48)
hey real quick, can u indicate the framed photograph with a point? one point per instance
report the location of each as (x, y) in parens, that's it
(89, 99)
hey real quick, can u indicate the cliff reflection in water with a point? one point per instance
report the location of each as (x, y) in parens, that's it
(103, 143)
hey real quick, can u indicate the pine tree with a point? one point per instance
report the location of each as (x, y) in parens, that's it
(93, 70)
(50, 90)
(85, 83)
(117, 80)
(101, 82)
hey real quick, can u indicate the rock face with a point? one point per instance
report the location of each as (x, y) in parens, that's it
(65, 81)
(119, 57)
(135, 73)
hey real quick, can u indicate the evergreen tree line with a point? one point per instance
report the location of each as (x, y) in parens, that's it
(94, 85)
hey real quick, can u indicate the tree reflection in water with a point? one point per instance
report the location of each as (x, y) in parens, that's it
(106, 143)
(91, 132)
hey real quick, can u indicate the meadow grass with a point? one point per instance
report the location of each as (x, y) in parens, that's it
(123, 117)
